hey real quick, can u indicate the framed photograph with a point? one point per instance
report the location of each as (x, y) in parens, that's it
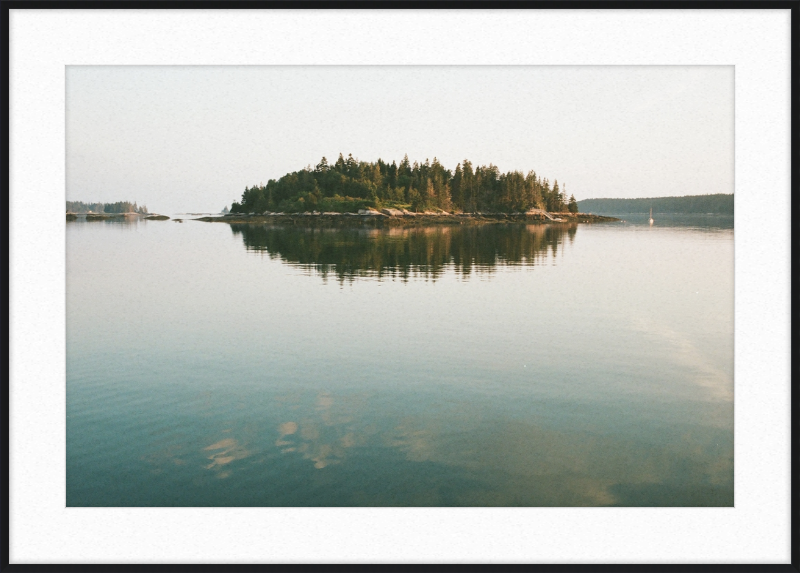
(418, 286)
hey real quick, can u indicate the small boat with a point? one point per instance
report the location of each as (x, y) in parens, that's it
(651, 215)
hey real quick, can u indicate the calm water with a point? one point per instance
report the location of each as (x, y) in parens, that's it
(232, 365)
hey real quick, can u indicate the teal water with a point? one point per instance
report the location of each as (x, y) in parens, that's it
(211, 364)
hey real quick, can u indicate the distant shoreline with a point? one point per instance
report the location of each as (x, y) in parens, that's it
(103, 216)
(408, 219)
(715, 204)
(107, 216)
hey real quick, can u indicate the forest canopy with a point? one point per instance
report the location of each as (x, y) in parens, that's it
(349, 184)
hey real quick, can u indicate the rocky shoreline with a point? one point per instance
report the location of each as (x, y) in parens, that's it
(395, 217)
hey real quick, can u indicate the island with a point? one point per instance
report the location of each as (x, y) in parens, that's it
(104, 211)
(381, 193)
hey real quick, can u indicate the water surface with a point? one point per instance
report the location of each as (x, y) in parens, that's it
(211, 364)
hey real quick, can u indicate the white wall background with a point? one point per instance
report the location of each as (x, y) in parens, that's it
(44, 42)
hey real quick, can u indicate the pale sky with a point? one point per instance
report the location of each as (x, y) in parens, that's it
(190, 138)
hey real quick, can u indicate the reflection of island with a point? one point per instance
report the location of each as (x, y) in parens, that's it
(402, 252)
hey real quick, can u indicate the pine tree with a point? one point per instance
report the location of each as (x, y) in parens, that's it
(339, 165)
(457, 197)
(573, 204)
(469, 187)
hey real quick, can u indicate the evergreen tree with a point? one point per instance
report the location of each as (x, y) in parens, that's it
(557, 202)
(457, 192)
(340, 165)
(470, 204)
(573, 204)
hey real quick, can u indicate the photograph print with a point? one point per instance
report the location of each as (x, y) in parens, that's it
(334, 286)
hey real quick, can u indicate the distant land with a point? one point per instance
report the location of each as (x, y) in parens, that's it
(79, 207)
(717, 204)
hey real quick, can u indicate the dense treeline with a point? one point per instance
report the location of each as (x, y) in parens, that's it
(718, 204)
(405, 252)
(349, 185)
(124, 207)
(118, 207)
(81, 207)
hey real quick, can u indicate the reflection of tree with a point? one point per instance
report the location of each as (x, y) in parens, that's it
(427, 251)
